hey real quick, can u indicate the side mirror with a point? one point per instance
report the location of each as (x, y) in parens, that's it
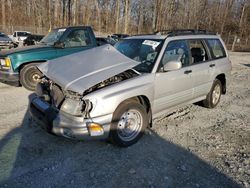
(172, 65)
(59, 44)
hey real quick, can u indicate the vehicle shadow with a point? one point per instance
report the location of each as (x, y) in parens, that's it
(247, 65)
(29, 157)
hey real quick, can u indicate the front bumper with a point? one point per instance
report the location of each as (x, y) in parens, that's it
(66, 125)
(11, 78)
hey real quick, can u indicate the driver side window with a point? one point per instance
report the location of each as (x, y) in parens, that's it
(77, 38)
(175, 51)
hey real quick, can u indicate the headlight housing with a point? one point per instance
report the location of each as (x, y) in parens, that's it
(5, 63)
(73, 107)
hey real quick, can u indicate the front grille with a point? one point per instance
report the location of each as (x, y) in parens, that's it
(56, 95)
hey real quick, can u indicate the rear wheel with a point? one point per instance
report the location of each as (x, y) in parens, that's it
(29, 76)
(213, 97)
(128, 124)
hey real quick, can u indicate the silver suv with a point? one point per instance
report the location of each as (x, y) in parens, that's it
(114, 92)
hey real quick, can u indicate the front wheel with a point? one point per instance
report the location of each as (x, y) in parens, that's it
(213, 97)
(29, 76)
(128, 124)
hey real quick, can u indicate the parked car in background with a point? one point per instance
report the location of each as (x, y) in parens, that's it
(32, 40)
(18, 66)
(118, 37)
(5, 41)
(114, 93)
(19, 36)
(103, 40)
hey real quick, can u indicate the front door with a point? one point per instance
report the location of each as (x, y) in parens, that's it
(173, 87)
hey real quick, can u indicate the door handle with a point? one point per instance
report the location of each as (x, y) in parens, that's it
(187, 71)
(212, 65)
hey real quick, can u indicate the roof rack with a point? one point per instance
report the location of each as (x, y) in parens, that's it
(143, 34)
(180, 32)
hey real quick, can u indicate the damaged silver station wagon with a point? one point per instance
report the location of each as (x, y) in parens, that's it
(114, 92)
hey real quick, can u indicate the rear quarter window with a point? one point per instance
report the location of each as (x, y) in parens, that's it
(217, 49)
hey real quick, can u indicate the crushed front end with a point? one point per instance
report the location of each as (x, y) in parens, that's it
(66, 113)
(70, 99)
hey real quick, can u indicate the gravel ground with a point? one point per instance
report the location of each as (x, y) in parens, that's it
(192, 147)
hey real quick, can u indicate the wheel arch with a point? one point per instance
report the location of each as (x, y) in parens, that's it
(143, 100)
(27, 63)
(22, 81)
(222, 78)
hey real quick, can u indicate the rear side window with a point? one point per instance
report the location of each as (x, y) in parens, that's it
(216, 48)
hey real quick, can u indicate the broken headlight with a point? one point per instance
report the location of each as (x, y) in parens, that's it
(73, 107)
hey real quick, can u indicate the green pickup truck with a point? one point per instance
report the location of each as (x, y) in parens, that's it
(18, 66)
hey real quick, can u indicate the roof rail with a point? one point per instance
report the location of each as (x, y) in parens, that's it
(180, 32)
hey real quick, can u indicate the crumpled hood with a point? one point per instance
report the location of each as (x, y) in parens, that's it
(80, 71)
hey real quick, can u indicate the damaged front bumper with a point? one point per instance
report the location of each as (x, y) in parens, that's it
(67, 125)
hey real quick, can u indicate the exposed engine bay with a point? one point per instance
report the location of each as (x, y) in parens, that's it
(55, 95)
(114, 79)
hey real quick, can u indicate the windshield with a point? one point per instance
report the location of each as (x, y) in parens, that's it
(53, 36)
(141, 50)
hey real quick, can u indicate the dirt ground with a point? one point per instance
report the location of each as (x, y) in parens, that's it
(192, 147)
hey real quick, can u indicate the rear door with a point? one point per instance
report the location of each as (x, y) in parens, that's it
(220, 62)
(200, 64)
(173, 87)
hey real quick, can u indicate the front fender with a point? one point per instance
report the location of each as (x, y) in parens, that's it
(41, 55)
(106, 100)
(19, 61)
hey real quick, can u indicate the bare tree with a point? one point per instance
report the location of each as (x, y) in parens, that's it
(127, 9)
(227, 17)
(98, 17)
(64, 12)
(75, 3)
(49, 13)
(69, 12)
(10, 20)
(3, 13)
(117, 16)
(56, 7)
(243, 16)
(227, 9)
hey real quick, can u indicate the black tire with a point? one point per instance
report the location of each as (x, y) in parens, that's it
(210, 102)
(29, 76)
(136, 109)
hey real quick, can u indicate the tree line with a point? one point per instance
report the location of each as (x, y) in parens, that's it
(226, 17)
